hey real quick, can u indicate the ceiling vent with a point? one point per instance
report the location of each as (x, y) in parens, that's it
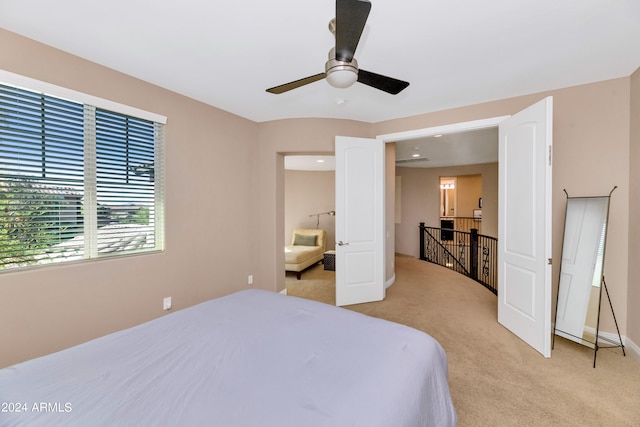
(416, 160)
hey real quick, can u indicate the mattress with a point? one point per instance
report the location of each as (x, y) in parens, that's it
(252, 358)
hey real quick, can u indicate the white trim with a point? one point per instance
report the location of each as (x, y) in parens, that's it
(159, 195)
(390, 282)
(605, 338)
(633, 348)
(27, 83)
(629, 346)
(90, 183)
(456, 127)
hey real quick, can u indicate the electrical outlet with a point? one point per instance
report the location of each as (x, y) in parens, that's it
(250, 279)
(166, 303)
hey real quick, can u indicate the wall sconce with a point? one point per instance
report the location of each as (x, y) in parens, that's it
(332, 213)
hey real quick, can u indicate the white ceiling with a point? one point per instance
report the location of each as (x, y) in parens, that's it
(460, 148)
(452, 149)
(453, 52)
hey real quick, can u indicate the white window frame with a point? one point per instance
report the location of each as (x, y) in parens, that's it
(26, 83)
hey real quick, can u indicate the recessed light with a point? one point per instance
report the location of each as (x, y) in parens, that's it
(437, 136)
(320, 161)
(415, 155)
(340, 101)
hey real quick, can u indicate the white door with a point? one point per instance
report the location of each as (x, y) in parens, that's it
(360, 262)
(524, 230)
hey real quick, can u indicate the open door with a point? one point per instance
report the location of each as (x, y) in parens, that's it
(524, 234)
(360, 255)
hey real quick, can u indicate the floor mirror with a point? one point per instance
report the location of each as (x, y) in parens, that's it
(582, 273)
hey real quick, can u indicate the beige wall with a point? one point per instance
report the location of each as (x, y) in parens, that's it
(633, 298)
(208, 219)
(223, 223)
(306, 193)
(468, 193)
(421, 201)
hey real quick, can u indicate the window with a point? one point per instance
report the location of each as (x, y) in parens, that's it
(77, 181)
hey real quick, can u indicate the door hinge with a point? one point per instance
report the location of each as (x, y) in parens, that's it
(549, 155)
(549, 261)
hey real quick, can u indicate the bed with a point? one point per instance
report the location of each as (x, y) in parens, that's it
(252, 358)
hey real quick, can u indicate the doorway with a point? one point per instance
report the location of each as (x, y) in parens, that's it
(448, 196)
(309, 203)
(525, 229)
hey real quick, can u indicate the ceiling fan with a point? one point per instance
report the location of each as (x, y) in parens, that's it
(341, 70)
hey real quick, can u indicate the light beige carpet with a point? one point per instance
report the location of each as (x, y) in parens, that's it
(495, 378)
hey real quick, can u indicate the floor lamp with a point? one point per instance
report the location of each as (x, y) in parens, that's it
(332, 213)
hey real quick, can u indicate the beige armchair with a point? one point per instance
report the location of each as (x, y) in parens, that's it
(307, 248)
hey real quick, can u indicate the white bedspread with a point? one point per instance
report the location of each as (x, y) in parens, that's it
(253, 358)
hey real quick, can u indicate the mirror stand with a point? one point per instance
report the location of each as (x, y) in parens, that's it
(614, 343)
(581, 281)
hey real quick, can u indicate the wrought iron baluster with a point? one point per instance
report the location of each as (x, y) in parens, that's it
(461, 250)
(485, 262)
(455, 252)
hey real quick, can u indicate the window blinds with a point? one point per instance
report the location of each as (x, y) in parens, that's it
(76, 182)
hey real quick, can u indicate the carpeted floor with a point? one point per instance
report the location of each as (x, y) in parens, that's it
(495, 378)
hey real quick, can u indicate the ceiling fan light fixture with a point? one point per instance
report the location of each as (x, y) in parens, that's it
(341, 74)
(342, 78)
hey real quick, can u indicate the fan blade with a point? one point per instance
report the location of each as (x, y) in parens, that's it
(351, 16)
(378, 81)
(296, 84)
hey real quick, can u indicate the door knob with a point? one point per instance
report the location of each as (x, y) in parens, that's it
(340, 243)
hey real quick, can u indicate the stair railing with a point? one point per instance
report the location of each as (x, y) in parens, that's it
(468, 253)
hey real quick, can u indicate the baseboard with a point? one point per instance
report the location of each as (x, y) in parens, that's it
(632, 348)
(284, 291)
(390, 282)
(629, 346)
(611, 338)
